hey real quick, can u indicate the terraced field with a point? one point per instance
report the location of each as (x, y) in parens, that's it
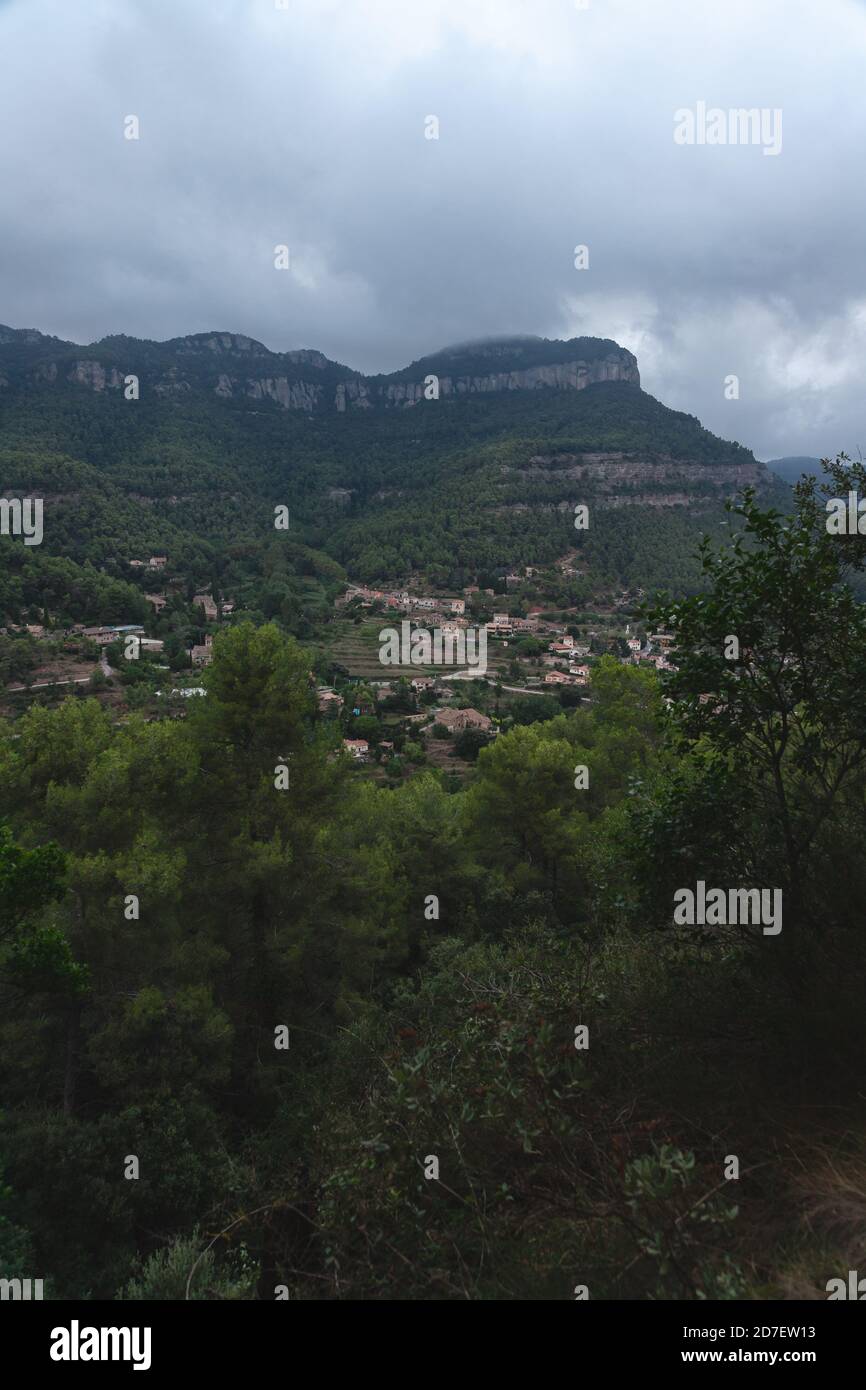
(357, 648)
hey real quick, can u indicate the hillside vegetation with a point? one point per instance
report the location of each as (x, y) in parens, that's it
(446, 1044)
(445, 489)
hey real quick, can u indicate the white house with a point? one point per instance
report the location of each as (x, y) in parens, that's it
(358, 747)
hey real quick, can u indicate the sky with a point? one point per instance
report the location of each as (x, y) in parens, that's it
(306, 124)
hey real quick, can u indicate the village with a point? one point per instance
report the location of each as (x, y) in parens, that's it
(391, 720)
(44, 659)
(447, 715)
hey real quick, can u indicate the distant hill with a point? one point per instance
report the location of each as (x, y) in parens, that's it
(232, 366)
(381, 478)
(790, 468)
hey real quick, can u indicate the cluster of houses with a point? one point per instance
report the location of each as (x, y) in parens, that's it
(449, 614)
(211, 610)
(329, 700)
(454, 720)
(401, 601)
(565, 649)
(566, 656)
(103, 634)
(201, 654)
(656, 651)
(503, 625)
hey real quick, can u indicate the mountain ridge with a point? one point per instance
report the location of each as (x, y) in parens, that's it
(479, 481)
(235, 366)
(792, 466)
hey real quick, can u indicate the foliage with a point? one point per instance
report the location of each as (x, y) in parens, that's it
(172, 906)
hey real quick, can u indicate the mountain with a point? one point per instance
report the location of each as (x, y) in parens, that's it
(381, 480)
(791, 467)
(232, 366)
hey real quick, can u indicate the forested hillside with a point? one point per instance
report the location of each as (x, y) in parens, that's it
(445, 488)
(268, 1030)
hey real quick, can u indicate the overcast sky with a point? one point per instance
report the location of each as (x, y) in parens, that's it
(305, 126)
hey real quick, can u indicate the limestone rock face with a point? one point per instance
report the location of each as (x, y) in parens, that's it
(292, 395)
(218, 342)
(353, 393)
(233, 366)
(91, 374)
(623, 480)
(308, 358)
(570, 375)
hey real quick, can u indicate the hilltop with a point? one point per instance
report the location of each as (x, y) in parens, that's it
(382, 479)
(233, 366)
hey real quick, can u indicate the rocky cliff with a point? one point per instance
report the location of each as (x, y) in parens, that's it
(621, 479)
(234, 367)
(571, 375)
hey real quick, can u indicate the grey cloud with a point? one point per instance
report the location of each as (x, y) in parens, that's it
(306, 126)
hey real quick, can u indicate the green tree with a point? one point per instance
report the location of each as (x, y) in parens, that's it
(770, 668)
